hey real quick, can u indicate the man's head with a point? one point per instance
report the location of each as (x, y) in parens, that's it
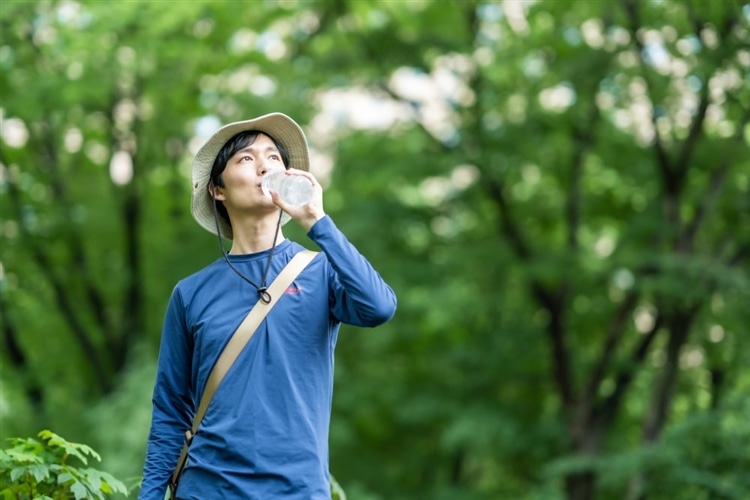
(210, 161)
(235, 145)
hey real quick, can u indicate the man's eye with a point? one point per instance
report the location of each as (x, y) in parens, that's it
(245, 158)
(275, 157)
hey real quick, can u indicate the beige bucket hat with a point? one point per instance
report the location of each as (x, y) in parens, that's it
(276, 125)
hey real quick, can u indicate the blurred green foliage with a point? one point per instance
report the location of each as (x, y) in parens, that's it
(558, 191)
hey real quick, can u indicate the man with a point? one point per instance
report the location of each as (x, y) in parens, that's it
(265, 433)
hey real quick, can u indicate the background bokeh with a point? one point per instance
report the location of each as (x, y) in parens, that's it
(558, 191)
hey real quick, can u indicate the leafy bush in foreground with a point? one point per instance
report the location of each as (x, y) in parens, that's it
(41, 469)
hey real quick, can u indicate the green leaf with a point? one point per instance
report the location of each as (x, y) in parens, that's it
(79, 490)
(65, 477)
(40, 472)
(17, 472)
(337, 492)
(23, 456)
(103, 481)
(75, 449)
(8, 494)
(92, 478)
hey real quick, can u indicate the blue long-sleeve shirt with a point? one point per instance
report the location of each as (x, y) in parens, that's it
(265, 434)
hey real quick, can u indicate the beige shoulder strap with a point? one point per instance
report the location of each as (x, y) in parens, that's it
(235, 345)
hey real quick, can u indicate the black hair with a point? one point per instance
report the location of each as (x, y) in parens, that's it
(236, 143)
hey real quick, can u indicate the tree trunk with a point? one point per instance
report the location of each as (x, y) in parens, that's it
(580, 486)
(656, 417)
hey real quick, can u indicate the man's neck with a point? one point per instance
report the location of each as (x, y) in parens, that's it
(255, 235)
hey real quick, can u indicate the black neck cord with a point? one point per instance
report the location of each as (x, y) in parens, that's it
(263, 294)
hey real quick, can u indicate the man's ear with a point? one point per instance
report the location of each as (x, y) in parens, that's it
(215, 192)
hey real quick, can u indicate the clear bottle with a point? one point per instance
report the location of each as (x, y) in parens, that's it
(293, 189)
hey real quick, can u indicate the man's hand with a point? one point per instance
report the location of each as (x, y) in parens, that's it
(305, 215)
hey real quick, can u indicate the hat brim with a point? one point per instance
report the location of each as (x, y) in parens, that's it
(278, 126)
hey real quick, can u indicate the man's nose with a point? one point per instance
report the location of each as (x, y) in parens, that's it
(263, 166)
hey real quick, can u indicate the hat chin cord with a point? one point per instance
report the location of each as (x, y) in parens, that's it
(263, 294)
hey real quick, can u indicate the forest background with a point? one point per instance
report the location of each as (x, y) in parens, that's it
(558, 191)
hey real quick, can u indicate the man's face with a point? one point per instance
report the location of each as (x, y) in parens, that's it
(243, 174)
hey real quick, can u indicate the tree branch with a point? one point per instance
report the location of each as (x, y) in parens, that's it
(740, 255)
(708, 199)
(583, 140)
(614, 335)
(685, 155)
(508, 227)
(561, 373)
(18, 358)
(74, 242)
(679, 328)
(662, 158)
(606, 410)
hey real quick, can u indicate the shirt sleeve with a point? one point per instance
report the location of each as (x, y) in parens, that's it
(359, 296)
(172, 402)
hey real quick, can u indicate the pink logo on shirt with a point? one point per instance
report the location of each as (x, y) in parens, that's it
(293, 289)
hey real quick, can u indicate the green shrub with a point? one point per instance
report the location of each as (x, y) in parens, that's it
(41, 469)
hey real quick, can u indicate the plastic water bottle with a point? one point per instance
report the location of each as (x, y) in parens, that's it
(293, 189)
